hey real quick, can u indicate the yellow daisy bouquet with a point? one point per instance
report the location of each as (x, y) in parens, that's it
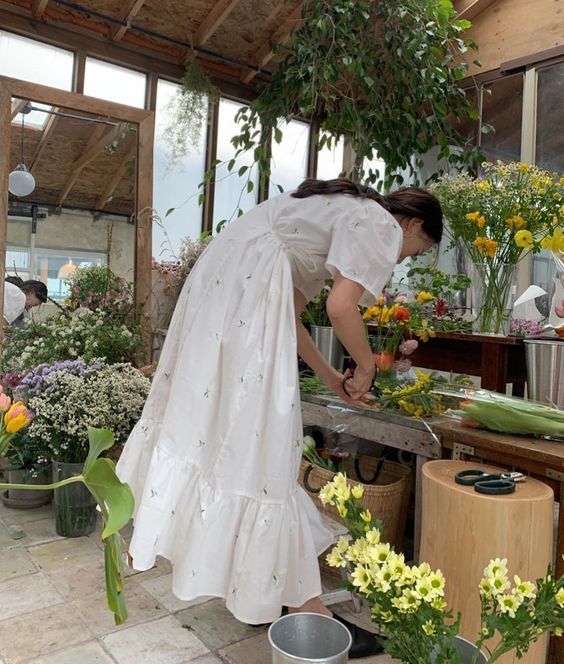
(407, 601)
(496, 219)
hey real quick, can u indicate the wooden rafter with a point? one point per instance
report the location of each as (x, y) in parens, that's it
(265, 52)
(116, 178)
(101, 137)
(469, 9)
(45, 134)
(38, 7)
(17, 105)
(130, 11)
(219, 12)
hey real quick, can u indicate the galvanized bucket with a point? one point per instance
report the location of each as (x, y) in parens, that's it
(309, 638)
(545, 371)
(467, 652)
(329, 345)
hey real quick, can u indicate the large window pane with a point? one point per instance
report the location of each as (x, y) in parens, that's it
(330, 161)
(33, 61)
(48, 264)
(231, 190)
(114, 83)
(175, 185)
(502, 106)
(550, 105)
(289, 157)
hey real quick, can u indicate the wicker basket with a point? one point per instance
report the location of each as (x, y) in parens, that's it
(387, 490)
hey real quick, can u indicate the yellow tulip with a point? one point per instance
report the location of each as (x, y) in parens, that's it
(17, 423)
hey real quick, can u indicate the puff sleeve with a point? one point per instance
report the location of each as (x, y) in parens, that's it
(364, 248)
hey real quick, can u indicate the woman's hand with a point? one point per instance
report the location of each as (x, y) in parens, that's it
(359, 382)
(340, 386)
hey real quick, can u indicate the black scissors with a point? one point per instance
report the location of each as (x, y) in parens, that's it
(490, 483)
(373, 391)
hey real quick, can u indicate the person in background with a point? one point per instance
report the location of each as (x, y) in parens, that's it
(21, 296)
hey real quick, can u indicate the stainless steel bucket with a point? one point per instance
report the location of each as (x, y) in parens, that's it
(467, 651)
(308, 638)
(331, 348)
(545, 371)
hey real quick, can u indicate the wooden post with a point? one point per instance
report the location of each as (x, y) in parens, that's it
(5, 121)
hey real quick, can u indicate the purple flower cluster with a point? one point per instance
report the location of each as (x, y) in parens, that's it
(35, 382)
(522, 327)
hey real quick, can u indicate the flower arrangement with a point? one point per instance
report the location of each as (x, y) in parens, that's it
(522, 327)
(97, 287)
(439, 291)
(15, 417)
(393, 320)
(496, 219)
(315, 312)
(408, 601)
(69, 397)
(81, 333)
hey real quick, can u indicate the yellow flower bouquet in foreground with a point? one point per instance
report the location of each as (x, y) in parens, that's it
(496, 219)
(407, 601)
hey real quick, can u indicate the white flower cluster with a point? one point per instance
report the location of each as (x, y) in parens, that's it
(82, 333)
(111, 398)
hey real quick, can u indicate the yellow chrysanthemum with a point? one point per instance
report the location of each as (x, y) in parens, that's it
(429, 628)
(524, 239)
(357, 491)
(509, 604)
(335, 559)
(560, 598)
(516, 223)
(524, 589)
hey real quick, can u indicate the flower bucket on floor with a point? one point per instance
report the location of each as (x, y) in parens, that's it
(467, 652)
(307, 638)
(75, 506)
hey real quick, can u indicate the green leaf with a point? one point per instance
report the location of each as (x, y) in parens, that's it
(169, 211)
(250, 186)
(113, 568)
(114, 497)
(230, 165)
(99, 440)
(243, 170)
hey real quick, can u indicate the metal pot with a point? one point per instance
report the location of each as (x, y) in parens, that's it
(308, 638)
(545, 371)
(329, 345)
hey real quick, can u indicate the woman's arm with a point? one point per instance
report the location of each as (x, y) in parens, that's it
(342, 309)
(311, 355)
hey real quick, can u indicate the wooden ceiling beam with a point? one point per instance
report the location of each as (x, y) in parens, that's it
(131, 10)
(219, 12)
(100, 138)
(45, 135)
(469, 9)
(17, 106)
(265, 52)
(38, 8)
(117, 177)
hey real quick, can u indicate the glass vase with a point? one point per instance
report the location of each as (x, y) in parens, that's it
(493, 294)
(75, 506)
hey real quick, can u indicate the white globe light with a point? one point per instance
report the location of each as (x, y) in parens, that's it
(20, 181)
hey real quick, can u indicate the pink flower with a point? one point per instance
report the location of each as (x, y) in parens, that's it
(559, 311)
(403, 365)
(408, 346)
(5, 402)
(401, 299)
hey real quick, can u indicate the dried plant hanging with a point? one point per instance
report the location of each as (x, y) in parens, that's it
(187, 112)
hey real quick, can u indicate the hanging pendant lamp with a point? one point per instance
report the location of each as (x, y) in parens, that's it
(66, 270)
(20, 181)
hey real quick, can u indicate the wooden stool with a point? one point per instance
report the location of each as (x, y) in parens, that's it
(462, 530)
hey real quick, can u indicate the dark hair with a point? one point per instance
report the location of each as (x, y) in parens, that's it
(410, 201)
(15, 280)
(37, 287)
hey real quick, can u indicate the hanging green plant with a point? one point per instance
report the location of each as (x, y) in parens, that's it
(187, 112)
(384, 73)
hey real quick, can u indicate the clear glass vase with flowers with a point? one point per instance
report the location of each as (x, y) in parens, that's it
(407, 601)
(496, 219)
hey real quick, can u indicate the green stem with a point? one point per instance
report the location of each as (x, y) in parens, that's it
(43, 487)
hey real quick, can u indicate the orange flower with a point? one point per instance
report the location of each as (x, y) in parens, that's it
(402, 314)
(384, 361)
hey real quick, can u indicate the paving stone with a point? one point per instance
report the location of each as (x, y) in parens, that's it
(25, 594)
(12, 516)
(255, 650)
(206, 659)
(141, 607)
(39, 531)
(161, 566)
(65, 553)
(89, 653)
(7, 539)
(215, 625)
(160, 587)
(158, 642)
(15, 562)
(40, 633)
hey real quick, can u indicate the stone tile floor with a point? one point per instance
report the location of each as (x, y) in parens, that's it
(53, 607)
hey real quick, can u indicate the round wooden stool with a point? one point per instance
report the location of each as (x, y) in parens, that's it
(462, 530)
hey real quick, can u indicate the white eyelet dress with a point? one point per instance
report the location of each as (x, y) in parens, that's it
(213, 461)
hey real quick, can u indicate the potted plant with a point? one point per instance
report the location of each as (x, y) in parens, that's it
(407, 601)
(113, 497)
(68, 398)
(23, 468)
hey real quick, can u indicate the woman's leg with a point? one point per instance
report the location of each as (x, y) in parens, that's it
(314, 605)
